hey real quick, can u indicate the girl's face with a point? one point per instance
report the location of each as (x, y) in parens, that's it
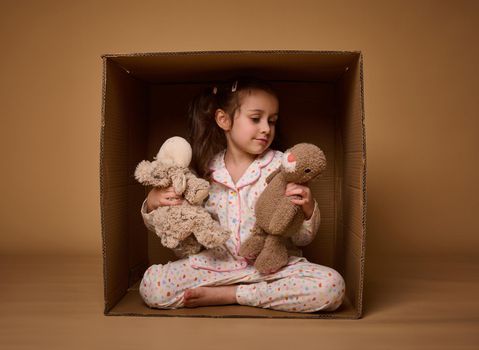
(253, 129)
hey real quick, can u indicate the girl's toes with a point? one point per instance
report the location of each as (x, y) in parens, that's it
(191, 295)
(186, 295)
(188, 299)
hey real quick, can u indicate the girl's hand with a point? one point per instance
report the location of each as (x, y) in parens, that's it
(159, 197)
(306, 201)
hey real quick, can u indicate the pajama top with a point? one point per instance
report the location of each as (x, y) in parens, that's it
(233, 206)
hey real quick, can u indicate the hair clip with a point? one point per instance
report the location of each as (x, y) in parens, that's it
(215, 90)
(235, 85)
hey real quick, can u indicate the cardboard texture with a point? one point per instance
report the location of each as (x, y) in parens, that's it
(145, 97)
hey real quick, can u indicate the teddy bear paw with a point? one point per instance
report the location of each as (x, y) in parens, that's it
(267, 264)
(251, 248)
(213, 238)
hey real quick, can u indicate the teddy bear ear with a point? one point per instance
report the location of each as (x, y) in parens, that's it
(143, 172)
(321, 164)
(179, 183)
(321, 161)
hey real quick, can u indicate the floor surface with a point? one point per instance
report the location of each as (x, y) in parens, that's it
(57, 303)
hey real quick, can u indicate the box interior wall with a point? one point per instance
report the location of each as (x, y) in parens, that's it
(145, 102)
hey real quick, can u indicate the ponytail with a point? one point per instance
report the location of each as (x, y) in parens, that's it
(205, 136)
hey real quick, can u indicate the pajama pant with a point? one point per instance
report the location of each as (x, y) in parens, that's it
(300, 287)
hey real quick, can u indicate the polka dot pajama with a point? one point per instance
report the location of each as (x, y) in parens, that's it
(300, 287)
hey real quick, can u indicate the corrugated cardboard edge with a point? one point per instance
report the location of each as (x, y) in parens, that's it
(102, 209)
(311, 316)
(363, 242)
(233, 52)
(104, 57)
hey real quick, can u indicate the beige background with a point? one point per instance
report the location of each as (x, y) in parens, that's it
(421, 102)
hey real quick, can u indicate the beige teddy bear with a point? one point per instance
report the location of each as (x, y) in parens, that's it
(277, 218)
(187, 227)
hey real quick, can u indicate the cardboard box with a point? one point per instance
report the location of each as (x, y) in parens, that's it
(145, 98)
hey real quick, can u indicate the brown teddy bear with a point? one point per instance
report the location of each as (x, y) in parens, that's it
(187, 227)
(277, 218)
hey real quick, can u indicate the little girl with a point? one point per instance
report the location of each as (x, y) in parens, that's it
(231, 130)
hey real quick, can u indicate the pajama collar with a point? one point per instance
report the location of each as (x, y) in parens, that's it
(252, 174)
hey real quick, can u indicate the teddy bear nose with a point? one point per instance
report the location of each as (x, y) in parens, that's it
(291, 158)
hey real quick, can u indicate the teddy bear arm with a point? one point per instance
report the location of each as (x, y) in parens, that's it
(197, 189)
(272, 175)
(143, 172)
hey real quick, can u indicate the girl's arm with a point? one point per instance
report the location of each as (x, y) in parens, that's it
(147, 216)
(309, 228)
(158, 197)
(311, 211)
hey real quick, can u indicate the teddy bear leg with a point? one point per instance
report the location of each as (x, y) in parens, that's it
(282, 217)
(208, 232)
(169, 241)
(212, 236)
(173, 237)
(273, 256)
(187, 247)
(251, 248)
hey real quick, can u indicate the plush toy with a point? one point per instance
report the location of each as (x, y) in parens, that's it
(184, 228)
(277, 218)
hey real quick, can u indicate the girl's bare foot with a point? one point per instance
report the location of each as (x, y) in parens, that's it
(204, 296)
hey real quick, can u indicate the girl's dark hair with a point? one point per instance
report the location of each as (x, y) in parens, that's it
(205, 136)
